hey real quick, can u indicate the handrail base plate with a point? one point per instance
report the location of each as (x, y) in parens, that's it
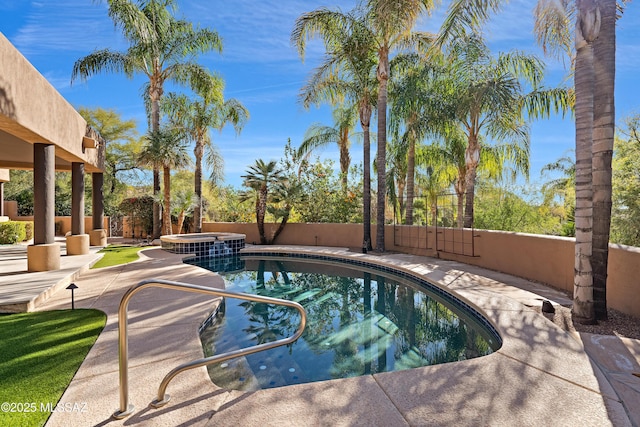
(118, 415)
(160, 403)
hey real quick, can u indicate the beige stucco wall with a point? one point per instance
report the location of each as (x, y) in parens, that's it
(4, 175)
(545, 259)
(65, 223)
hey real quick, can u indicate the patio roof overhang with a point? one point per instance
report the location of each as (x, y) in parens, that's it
(32, 111)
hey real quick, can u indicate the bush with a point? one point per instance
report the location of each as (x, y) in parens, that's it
(12, 232)
(140, 210)
(28, 226)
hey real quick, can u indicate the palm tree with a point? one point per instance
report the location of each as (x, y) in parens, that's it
(594, 50)
(391, 23)
(196, 117)
(383, 26)
(415, 112)
(490, 96)
(319, 135)
(287, 193)
(168, 149)
(162, 48)
(259, 178)
(184, 202)
(348, 72)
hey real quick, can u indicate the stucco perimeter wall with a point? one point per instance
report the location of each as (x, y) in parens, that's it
(545, 259)
(63, 223)
(342, 235)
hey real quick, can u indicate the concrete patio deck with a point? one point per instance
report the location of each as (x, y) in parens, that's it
(542, 375)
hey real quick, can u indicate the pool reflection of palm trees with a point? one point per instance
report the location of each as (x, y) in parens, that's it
(356, 325)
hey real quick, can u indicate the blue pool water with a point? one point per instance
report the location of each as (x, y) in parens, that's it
(360, 320)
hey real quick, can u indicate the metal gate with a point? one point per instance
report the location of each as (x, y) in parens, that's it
(436, 227)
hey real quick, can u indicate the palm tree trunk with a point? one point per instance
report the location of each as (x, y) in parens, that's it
(603, 135)
(261, 208)
(197, 210)
(434, 213)
(472, 156)
(411, 166)
(157, 211)
(365, 119)
(166, 211)
(345, 160)
(154, 95)
(383, 77)
(400, 197)
(583, 309)
(285, 218)
(460, 216)
(460, 190)
(180, 221)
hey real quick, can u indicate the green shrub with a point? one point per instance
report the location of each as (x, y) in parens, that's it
(12, 232)
(28, 230)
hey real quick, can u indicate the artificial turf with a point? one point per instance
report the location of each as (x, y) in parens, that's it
(117, 254)
(39, 355)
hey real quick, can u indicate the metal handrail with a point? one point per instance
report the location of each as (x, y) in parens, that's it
(123, 345)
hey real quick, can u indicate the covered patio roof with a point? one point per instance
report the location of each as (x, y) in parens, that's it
(32, 111)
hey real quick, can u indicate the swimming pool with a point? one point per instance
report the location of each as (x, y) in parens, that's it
(362, 319)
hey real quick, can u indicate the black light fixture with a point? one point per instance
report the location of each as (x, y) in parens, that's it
(72, 287)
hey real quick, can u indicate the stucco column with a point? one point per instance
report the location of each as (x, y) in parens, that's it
(44, 254)
(77, 198)
(78, 242)
(98, 234)
(43, 194)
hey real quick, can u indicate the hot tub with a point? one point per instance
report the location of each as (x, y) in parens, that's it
(204, 244)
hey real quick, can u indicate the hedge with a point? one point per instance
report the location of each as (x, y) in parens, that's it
(15, 231)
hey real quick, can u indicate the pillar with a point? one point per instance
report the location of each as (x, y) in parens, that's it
(98, 234)
(44, 254)
(77, 242)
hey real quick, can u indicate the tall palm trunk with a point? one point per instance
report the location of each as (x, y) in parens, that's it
(261, 209)
(603, 135)
(155, 92)
(365, 120)
(383, 79)
(345, 159)
(166, 211)
(587, 27)
(472, 157)
(401, 205)
(411, 167)
(198, 151)
(460, 187)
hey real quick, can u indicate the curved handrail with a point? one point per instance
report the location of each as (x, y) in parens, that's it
(123, 345)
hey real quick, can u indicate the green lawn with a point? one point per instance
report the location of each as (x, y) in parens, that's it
(117, 254)
(39, 355)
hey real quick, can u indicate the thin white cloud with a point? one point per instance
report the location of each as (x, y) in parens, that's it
(65, 26)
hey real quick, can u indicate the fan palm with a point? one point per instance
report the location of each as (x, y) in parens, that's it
(166, 148)
(196, 117)
(260, 178)
(161, 47)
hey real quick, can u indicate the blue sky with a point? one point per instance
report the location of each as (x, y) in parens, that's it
(264, 72)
